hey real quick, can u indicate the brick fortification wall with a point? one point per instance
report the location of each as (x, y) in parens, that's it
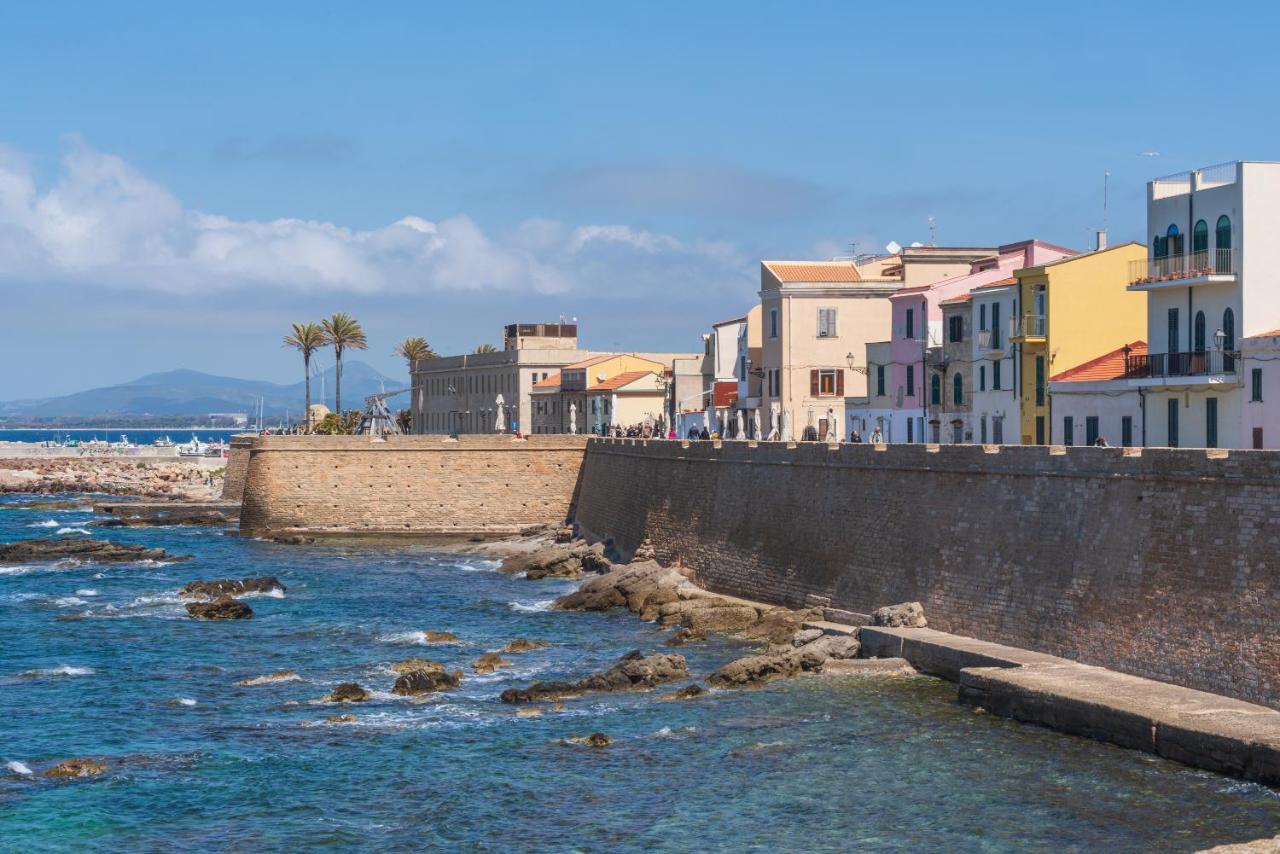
(408, 484)
(237, 466)
(1163, 564)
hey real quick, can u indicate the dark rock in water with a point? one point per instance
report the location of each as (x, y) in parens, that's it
(688, 692)
(411, 664)
(46, 505)
(76, 768)
(422, 681)
(224, 608)
(94, 551)
(184, 516)
(598, 739)
(684, 636)
(633, 672)
(757, 669)
(908, 615)
(340, 719)
(293, 540)
(524, 645)
(439, 637)
(348, 692)
(231, 587)
(489, 662)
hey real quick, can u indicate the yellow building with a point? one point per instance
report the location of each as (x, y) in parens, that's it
(1071, 311)
(599, 392)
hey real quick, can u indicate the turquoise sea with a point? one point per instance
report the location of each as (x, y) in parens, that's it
(101, 661)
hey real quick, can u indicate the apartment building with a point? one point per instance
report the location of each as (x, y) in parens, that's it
(750, 376)
(994, 400)
(950, 369)
(597, 393)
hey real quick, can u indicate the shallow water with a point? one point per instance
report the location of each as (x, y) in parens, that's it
(101, 661)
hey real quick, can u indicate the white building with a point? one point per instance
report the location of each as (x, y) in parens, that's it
(1212, 278)
(993, 412)
(1093, 400)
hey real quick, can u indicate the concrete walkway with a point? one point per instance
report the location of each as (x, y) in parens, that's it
(1193, 727)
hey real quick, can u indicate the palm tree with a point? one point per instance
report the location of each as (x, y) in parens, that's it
(415, 350)
(486, 348)
(343, 332)
(307, 338)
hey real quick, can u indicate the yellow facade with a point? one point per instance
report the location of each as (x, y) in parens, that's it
(1071, 311)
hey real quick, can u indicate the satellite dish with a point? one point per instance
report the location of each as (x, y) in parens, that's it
(893, 247)
(915, 244)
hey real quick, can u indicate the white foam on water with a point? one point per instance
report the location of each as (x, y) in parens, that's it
(21, 597)
(479, 566)
(186, 701)
(69, 601)
(275, 593)
(86, 591)
(64, 531)
(47, 523)
(419, 638)
(99, 575)
(531, 607)
(64, 670)
(18, 767)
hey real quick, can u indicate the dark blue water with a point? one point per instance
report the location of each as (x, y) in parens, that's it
(100, 661)
(113, 434)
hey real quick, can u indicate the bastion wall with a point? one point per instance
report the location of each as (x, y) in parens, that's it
(1160, 563)
(411, 485)
(237, 466)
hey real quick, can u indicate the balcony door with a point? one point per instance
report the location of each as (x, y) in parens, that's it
(1172, 410)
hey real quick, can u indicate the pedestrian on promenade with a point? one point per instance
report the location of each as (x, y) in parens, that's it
(877, 438)
(704, 435)
(1101, 442)
(855, 437)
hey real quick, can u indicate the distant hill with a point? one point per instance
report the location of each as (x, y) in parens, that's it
(193, 393)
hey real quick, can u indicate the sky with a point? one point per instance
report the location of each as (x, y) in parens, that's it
(179, 183)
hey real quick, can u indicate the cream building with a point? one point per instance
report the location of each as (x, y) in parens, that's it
(601, 391)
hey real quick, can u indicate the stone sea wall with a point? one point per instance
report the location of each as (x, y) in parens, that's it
(237, 466)
(411, 485)
(1159, 563)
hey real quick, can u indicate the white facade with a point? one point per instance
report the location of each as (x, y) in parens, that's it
(1260, 374)
(993, 413)
(1094, 409)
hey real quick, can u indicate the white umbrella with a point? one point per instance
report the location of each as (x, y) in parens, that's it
(833, 426)
(573, 419)
(786, 425)
(738, 427)
(774, 426)
(755, 419)
(706, 419)
(499, 423)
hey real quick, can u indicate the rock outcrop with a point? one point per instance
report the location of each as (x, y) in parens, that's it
(430, 636)
(688, 692)
(82, 549)
(908, 615)
(411, 664)
(524, 645)
(223, 608)
(76, 768)
(570, 560)
(147, 477)
(231, 587)
(489, 662)
(348, 692)
(784, 662)
(633, 672)
(185, 515)
(278, 676)
(422, 681)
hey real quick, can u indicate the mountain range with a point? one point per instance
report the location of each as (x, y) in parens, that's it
(193, 393)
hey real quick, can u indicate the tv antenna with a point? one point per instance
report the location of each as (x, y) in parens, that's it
(933, 231)
(1106, 182)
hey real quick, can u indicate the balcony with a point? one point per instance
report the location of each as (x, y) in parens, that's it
(1029, 327)
(1162, 366)
(990, 341)
(1209, 266)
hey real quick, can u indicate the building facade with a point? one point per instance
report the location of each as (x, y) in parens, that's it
(598, 393)
(1092, 401)
(994, 400)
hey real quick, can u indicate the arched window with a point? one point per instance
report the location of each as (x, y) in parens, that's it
(1229, 330)
(1200, 237)
(935, 390)
(957, 390)
(1158, 247)
(1223, 236)
(1198, 345)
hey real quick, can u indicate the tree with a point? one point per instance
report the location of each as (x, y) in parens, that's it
(405, 419)
(343, 332)
(307, 338)
(486, 348)
(415, 350)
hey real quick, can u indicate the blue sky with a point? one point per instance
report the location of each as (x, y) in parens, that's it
(178, 184)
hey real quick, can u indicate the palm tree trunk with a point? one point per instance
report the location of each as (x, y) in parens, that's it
(306, 415)
(337, 382)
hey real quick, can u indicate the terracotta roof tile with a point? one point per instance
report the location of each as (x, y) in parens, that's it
(588, 362)
(1270, 334)
(813, 271)
(1003, 283)
(1109, 366)
(619, 380)
(552, 381)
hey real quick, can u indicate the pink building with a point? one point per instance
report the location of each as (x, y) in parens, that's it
(917, 327)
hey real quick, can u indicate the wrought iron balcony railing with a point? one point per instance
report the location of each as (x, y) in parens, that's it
(1194, 364)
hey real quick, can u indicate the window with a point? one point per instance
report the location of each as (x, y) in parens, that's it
(1039, 429)
(1198, 336)
(773, 323)
(995, 374)
(826, 382)
(1171, 428)
(935, 390)
(982, 317)
(1211, 422)
(1257, 438)
(1091, 430)
(1173, 331)
(982, 429)
(1229, 330)
(911, 323)
(982, 377)
(826, 323)
(1068, 430)
(1223, 233)
(1039, 380)
(1126, 431)
(880, 380)
(911, 381)
(1256, 378)
(957, 390)
(995, 326)
(911, 436)
(997, 429)
(955, 329)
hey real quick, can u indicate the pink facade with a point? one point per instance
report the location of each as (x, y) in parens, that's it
(917, 325)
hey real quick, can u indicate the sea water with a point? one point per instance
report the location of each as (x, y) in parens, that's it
(102, 662)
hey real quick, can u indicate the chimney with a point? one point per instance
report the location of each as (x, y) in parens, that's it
(1101, 240)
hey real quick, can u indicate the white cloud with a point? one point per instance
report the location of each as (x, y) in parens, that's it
(102, 222)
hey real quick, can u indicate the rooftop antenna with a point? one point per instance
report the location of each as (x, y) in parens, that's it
(853, 248)
(1106, 182)
(933, 231)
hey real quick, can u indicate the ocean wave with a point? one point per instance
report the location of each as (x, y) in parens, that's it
(186, 701)
(275, 593)
(65, 531)
(47, 523)
(21, 597)
(87, 591)
(64, 670)
(29, 568)
(69, 601)
(419, 638)
(478, 565)
(531, 607)
(18, 768)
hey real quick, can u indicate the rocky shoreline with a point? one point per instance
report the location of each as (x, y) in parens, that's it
(174, 478)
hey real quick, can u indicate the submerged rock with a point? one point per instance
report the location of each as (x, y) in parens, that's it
(94, 551)
(688, 692)
(340, 719)
(231, 587)
(439, 637)
(907, 615)
(422, 681)
(123, 518)
(757, 669)
(223, 608)
(348, 692)
(633, 672)
(489, 662)
(411, 664)
(524, 645)
(278, 676)
(293, 540)
(683, 636)
(76, 768)
(598, 739)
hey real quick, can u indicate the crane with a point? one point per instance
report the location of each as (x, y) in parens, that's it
(377, 419)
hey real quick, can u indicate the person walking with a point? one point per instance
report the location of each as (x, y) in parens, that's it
(877, 438)
(855, 437)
